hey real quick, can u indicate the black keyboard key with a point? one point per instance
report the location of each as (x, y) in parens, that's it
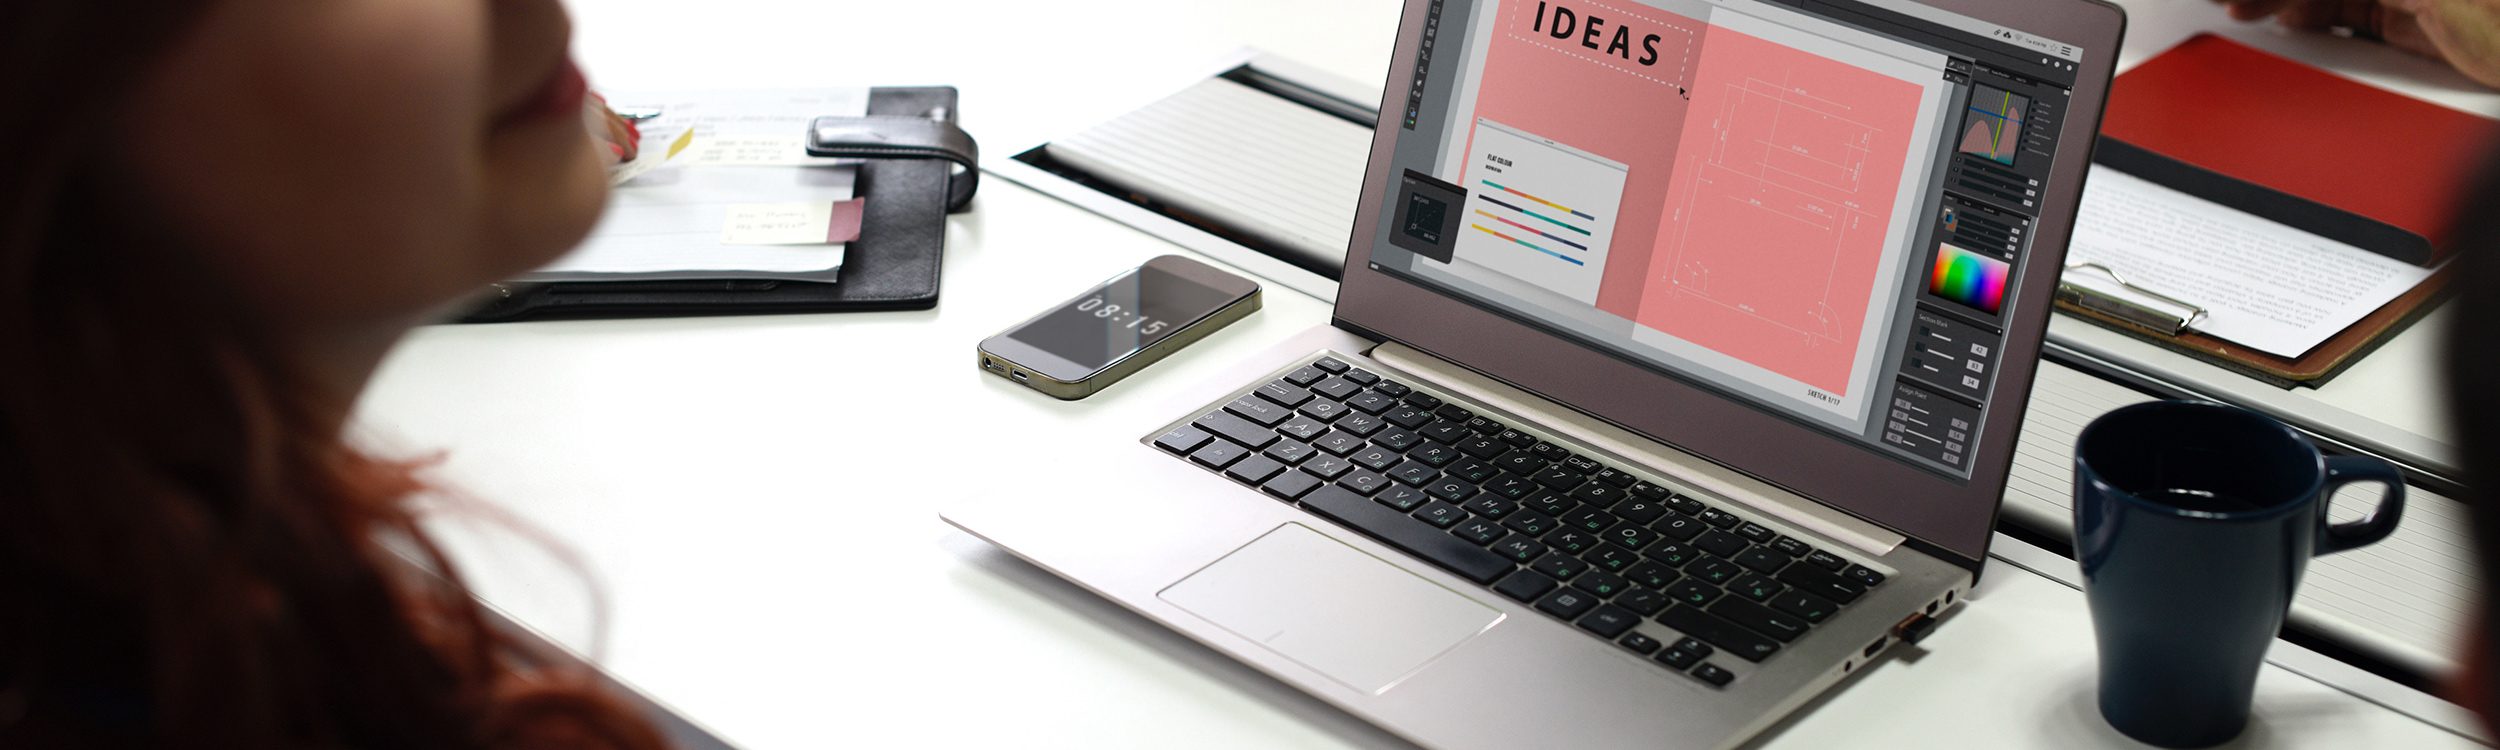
(1672, 554)
(1611, 559)
(1236, 429)
(1589, 519)
(1362, 376)
(1434, 453)
(1479, 530)
(1444, 432)
(1473, 470)
(1826, 560)
(1324, 410)
(1714, 674)
(1376, 458)
(1600, 495)
(1339, 443)
(1695, 647)
(1567, 603)
(1754, 587)
(1440, 515)
(1801, 604)
(1609, 621)
(1718, 543)
(1451, 489)
(1640, 644)
(1521, 463)
(1571, 540)
(1510, 486)
(1515, 438)
(1284, 393)
(1650, 574)
(1519, 548)
(1633, 537)
(1679, 527)
(1612, 477)
(1363, 481)
(1559, 478)
(1490, 506)
(1643, 602)
(1483, 426)
(1714, 571)
(1791, 546)
(1408, 417)
(1561, 566)
(1601, 583)
(1641, 510)
(1183, 439)
(1423, 400)
(1549, 503)
(1290, 451)
(1218, 454)
(1260, 411)
(1414, 473)
(1393, 388)
(1291, 485)
(1401, 498)
(1582, 464)
(1651, 491)
(1371, 403)
(1397, 439)
(1480, 446)
(1865, 576)
(1822, 583)
(1756, 533)
(1530, 522)
(1303, 428)
(1467, 560)
(1306, 376)
(1685, 505)
(1525, 585)
(1361, 424)
(1678, 659)
(1761, 619)
(1331, 364)
(1254, 469)
(1719, 518)
(1736, 640)
(1454, 413)
(1762, 560)
(1692, 592)
(1326, 466)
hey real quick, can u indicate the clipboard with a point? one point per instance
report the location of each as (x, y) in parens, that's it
(2171, 322)
(895, 264)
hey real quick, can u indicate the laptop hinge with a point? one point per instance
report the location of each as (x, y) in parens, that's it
(1700, 474)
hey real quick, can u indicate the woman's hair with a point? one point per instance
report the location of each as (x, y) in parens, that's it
(190, 555)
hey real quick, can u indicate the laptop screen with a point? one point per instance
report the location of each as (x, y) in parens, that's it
(1817, 208)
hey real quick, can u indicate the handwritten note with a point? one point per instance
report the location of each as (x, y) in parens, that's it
(2265, 285)
(814, 223)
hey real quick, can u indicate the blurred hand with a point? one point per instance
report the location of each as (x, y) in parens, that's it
(623, 140)
(2463, 33)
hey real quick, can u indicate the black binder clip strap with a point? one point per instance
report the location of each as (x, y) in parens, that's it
(903, 137)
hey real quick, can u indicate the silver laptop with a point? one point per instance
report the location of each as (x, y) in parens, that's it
(1675, 374)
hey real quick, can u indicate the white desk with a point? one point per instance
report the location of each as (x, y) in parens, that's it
(755, 496)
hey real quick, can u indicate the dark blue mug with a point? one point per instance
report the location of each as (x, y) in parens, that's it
(2193, 522)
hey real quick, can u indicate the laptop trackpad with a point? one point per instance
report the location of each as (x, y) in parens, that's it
(1331, 607)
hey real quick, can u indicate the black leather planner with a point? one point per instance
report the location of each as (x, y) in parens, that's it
(894, 265)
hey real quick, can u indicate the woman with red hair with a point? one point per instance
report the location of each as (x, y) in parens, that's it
(216, 217)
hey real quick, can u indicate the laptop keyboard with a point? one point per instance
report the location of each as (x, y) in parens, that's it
(1532, 519)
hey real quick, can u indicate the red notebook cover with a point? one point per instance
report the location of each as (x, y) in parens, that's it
(2252, 115)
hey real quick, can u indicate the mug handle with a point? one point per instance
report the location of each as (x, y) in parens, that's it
(2343, 470)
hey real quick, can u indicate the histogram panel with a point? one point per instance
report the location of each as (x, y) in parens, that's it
(1994, 128)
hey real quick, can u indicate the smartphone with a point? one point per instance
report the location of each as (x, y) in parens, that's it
(1084, 345)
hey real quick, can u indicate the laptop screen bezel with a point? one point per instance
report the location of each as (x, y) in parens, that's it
(1950, 518)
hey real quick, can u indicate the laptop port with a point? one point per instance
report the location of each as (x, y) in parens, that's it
(1875, 648)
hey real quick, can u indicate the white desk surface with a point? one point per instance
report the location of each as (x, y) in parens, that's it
(754, 497)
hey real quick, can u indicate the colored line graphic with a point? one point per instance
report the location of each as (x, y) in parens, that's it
(1994, 127)
(1555, 206)
(1974, 280)
(1547, 219)
(1532, 230)
(1529, 245)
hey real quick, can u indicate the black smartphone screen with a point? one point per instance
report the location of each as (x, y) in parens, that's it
(1122, 317)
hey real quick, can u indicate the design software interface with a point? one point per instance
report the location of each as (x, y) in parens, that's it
(1816, 206)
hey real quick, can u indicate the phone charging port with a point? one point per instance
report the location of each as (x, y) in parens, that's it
(1020, 378)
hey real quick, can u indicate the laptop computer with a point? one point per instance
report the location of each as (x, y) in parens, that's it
(1675, 373)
